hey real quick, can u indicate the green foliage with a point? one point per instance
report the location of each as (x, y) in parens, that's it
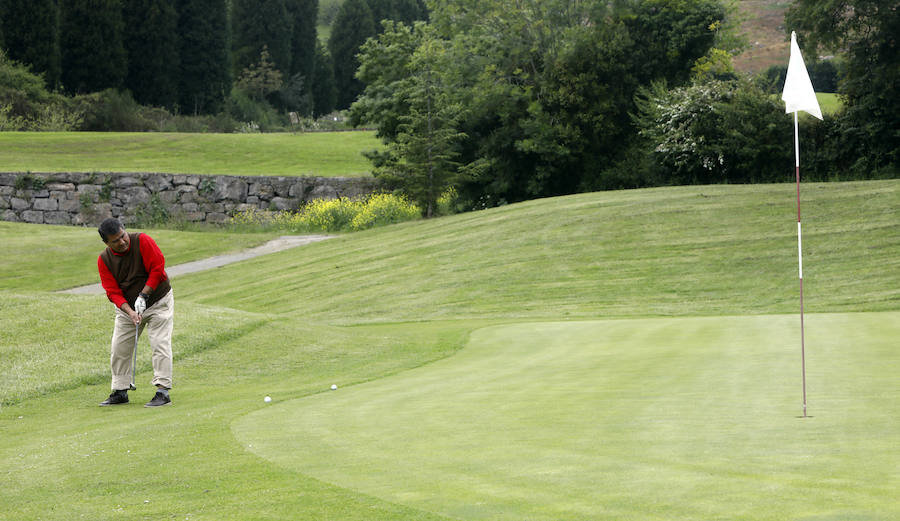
(153, 213)
(865, 32)
(261, 78)
(331, 215)
(91, 42)
(716, 132)
(25, 103)
(352, 26)
(152, 44)
(536, 100)
(323, 89)
(113, 110)
(258, 24)
(30, 35)
(205, 59)
(421, 159)
(303, 15)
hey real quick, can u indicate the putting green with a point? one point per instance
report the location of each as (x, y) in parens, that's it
(670, 418)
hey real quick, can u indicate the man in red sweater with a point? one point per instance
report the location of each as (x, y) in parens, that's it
(132, 271)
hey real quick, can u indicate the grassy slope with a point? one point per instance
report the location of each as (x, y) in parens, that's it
(326, 154)
(683, 251)
(673, 251)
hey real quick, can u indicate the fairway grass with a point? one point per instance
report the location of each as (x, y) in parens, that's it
(688, 418)
(324, 154)
(618, 355)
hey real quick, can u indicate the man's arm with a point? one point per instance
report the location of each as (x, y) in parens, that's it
(154, 263)
(113, 291)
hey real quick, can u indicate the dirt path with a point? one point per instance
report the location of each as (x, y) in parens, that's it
(281, 243)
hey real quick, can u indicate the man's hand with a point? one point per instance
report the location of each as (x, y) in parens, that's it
(132, 314)
(140, 305)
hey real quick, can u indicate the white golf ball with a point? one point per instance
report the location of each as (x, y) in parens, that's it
(333, 387)
(267, 399)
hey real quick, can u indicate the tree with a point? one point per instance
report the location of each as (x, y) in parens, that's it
(323, 90)
(544, 89)
(92, 50)
(303, 15)
(420, 160)
(258, 23)
(260, 79)
(152, 44)
(31, 36)
(352, 26)
(865, 31)
(205, 69)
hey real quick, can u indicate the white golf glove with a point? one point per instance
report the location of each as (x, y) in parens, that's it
(140, 305)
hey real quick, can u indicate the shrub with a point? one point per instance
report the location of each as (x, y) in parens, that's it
(331, 215)
(383, 209)
(715, 132)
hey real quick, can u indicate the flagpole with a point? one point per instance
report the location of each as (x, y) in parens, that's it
(800, 259)
(799, 95)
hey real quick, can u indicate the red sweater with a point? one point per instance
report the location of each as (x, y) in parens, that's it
(154, 263)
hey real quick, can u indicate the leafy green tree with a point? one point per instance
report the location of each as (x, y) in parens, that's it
(546, 87)
(352, 26)
(31, 36)
(258, 23)
(865, 31)
(205, 68)
(92, 50)
(323, 89)
(152, 44)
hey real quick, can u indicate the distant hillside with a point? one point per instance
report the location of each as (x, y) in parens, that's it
(763, 25)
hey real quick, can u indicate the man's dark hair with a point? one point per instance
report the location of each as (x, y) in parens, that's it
(109, 227)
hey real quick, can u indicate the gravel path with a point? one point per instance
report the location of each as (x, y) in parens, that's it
(281, 243)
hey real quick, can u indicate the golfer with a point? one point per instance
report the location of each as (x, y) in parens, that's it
(132, 271)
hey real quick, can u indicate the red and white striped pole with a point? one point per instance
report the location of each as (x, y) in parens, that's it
(800, 261)
(799, 95)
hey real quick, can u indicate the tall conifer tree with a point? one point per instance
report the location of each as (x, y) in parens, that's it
(205, 58)
(257, 23)
(153, 52)
(352, 26)
(324, 92)
(31, 36)
(92, 53)
(303, 14)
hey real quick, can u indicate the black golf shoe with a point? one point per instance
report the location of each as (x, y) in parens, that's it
(159, 400)
(116, 398)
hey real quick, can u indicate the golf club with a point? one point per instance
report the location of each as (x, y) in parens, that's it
(137, 331)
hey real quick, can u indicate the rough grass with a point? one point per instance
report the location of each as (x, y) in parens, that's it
(326, 154)
(368, 306)
(47, 258)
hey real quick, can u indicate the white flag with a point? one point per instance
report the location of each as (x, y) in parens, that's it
(798, 90)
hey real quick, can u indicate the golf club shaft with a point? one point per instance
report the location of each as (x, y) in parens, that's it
(137, 331)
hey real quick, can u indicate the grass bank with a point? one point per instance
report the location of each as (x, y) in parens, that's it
(326, 154)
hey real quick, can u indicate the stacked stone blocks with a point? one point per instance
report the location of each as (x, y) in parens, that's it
(88, 198)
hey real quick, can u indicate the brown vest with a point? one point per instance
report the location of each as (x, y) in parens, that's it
(128, 270)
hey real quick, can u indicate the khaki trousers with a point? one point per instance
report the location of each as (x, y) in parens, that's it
(158, 321)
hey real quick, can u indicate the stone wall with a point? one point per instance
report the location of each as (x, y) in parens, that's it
(88, 198)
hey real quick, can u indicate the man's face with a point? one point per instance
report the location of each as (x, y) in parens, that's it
(119, 242)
